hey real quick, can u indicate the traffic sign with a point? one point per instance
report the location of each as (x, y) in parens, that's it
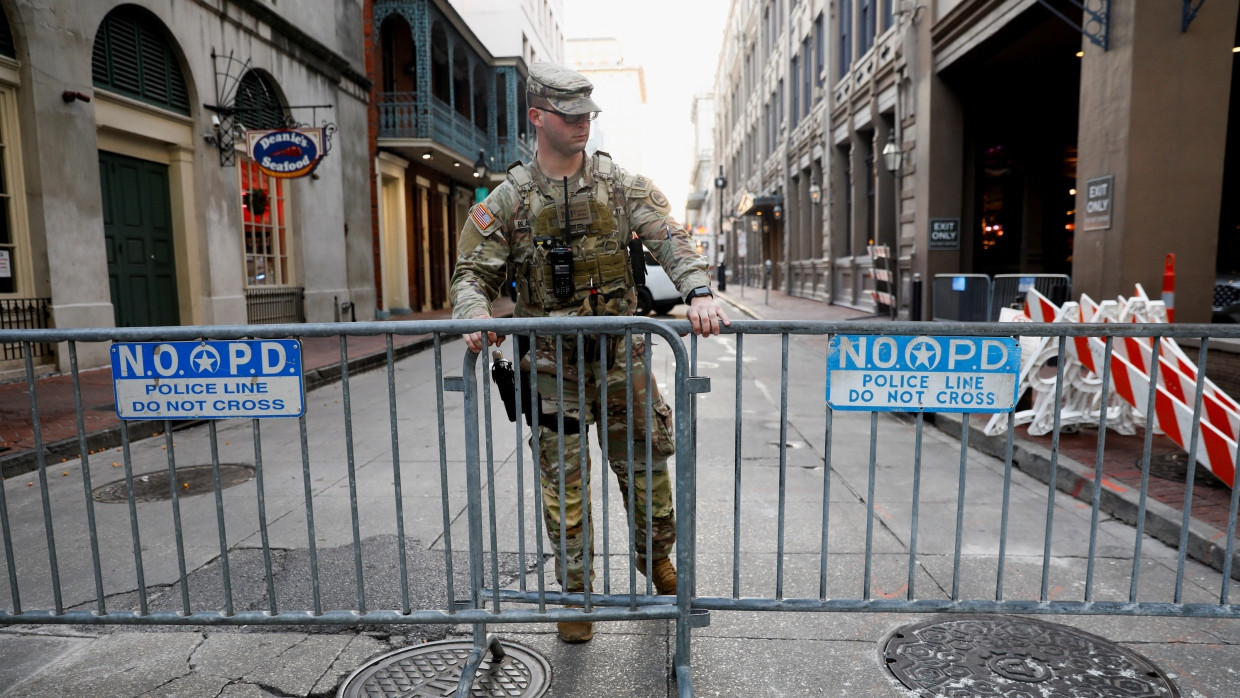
(878, 373)
(208, 380)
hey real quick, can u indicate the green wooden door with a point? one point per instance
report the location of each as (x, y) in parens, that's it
(137, 224)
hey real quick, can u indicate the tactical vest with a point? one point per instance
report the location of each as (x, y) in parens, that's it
(602, 278)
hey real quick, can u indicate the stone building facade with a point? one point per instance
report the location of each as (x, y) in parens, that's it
(1005, 125)
(128, 196)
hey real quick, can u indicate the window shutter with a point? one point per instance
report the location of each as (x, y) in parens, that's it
(6, 37)
(132, 56)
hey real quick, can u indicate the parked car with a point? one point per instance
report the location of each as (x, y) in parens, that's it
(658, 294)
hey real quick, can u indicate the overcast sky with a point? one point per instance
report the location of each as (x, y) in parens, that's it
(677, 43)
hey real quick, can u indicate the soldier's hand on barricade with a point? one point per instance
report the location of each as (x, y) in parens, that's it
(707, 317)
(473, 340)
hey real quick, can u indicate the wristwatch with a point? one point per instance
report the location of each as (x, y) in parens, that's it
(699, 292)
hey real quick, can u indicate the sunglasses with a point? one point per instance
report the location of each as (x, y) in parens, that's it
(571, 118)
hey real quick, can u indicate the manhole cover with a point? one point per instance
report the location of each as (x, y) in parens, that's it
(1012, 656)
(191, 480)
(434, 668)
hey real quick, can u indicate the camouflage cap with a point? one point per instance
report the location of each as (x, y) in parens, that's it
(560, 88)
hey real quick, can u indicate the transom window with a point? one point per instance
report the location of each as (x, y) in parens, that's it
(258, 104)
(132, 57)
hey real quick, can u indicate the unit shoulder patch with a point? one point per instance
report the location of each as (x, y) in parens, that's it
(658, 199)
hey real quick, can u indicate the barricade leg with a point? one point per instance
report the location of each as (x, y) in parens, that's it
(473, 480)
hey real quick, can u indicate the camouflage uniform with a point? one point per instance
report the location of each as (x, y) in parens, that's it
(498, 234)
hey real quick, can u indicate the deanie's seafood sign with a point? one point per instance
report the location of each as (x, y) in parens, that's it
(286, 152)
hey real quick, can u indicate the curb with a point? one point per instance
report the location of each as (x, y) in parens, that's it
(739, 306)
(1206, 544)
(26, 461)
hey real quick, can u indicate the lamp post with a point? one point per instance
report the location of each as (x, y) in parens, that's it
(720, 183)
(893, 158)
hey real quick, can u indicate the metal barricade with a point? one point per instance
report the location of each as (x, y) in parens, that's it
(867, 555)
(1008, 290)
(961, 297)
(121, 563)
(874, 545)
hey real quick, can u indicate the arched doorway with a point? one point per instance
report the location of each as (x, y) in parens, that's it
(133, 57)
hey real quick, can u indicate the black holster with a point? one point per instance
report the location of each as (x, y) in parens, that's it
(505, 377)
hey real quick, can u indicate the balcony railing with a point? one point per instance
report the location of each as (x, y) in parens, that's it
(455, 131)
(265, 306)
(25, 314)
(402, 115)
(398, 115)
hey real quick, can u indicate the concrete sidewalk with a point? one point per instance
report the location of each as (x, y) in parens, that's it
(741, 653)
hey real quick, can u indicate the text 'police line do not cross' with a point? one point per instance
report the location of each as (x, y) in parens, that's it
(922, 374)
(208, 380)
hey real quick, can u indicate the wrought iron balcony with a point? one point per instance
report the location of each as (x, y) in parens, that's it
(406, 115)
(398, 115)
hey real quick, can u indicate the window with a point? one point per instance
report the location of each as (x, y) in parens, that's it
(845, 36)
(779, 106)
(846, 228)
(820, 55)
(767, 135)
(794, 110)
(888, 16)
(808, 70)
(15, 275)
(766, 31)
(133, 57)
(865, 26)
(258, 105)
(11, 266)
(265, 226)
(7, 48)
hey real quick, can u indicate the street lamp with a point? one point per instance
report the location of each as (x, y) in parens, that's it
(891, 153)
(480, 166)
(815, 191)
(720, 183)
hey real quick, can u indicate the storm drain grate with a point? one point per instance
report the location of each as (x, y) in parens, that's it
(191, 480)
(1013, 656)
(433, 669)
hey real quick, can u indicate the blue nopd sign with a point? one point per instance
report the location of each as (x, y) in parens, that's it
(208, 380)
(922, 374)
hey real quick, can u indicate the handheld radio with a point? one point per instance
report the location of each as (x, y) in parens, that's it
(561, 258)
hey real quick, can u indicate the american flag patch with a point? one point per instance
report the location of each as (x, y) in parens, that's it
(482, 217)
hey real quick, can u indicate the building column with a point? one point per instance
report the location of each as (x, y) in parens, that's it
(1160, 131)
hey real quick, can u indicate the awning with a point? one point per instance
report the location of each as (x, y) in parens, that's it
(695, 201)
(751, 205)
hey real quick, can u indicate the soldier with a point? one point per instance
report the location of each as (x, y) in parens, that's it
(519, 225)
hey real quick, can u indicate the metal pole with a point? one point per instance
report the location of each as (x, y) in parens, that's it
(720, 183)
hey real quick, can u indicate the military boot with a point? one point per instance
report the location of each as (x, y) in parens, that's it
(575, 631)
(663, 575)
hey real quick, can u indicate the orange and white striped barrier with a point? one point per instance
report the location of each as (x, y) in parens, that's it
(1131, 359)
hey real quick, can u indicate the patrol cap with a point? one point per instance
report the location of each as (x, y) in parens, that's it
(561, 89)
